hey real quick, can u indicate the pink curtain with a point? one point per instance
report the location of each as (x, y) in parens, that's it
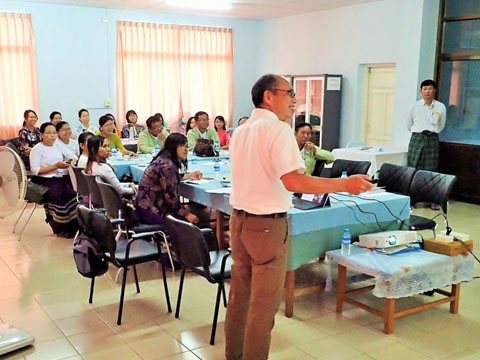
(18, 72)
(175, 70)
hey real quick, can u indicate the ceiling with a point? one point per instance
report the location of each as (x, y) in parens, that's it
(242, 9)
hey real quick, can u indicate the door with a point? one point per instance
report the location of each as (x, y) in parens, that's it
(379, 112)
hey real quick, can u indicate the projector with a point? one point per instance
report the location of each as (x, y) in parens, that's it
(387, 239)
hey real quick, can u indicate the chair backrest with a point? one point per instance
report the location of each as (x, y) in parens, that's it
(112, 201)
(188, 242)
(432, 187)
(93, 190)
(94, 224)
(319, 165)
(82, 187)
(350, 166)
(396, 178)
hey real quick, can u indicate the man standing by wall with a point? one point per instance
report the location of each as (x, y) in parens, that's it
(265, 150)
(425, 120)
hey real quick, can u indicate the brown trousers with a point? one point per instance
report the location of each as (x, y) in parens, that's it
(259, 251)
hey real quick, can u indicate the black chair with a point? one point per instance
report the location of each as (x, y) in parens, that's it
(430, 187)
(79, 184)
(122, 254)
(319, 165)
(93, 190)
(350, 166)
(395, 178)
(192, 252)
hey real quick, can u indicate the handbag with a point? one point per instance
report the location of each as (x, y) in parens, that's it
(36, 193)
(204, 148)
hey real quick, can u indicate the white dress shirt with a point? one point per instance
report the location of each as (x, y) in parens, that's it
(423, 117)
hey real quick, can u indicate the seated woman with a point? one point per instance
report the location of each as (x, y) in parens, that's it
(222, 132)
(49, 162)
(131, 125)
(64, 134)
(157, 194)
(107, 130)
(55, 117)
(84, 118)
(310, 153)
(190, 125)
(98, 153)
(82, 148)
(29, 135)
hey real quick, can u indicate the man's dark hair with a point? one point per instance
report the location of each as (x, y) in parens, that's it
(428, 82)
(266, 82)
(301, 125)
(199, 113)
(152, 120)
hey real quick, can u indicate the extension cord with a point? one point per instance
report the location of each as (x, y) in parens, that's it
(457, 235)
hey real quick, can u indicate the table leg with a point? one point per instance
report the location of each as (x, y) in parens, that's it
(341, 285)
(289, 292)
(456, 301)
(389, 319)
(220, 230)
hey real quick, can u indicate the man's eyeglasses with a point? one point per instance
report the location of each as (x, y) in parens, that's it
(289, 92)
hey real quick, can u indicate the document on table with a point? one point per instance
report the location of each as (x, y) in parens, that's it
(197, 182)
(222, 190)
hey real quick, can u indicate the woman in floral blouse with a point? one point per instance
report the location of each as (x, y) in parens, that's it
(157, 194)
(29, 135)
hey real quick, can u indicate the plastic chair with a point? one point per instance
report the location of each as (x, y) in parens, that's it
(79, 183)
(431, 187)
(395, 178)
(319, 165)
(350, 166)
(93, 190)
(192, 252)
(122, 254)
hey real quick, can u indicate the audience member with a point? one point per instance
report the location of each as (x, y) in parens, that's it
(49, 163)
(153, 134)
(64, 134)
(310, 153)
(84, 118)
(83, 149)
(242, 120)
(158, 190)
(29, 135)
(190, 125)
(221, 129)
(98, 153)
(55, 117)
(117, 130)
(107, 130)
(131, 125)
(202, 131)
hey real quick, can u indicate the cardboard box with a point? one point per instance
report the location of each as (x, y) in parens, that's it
(451, 249)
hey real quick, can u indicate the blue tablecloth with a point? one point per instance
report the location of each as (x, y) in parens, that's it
(406, 274)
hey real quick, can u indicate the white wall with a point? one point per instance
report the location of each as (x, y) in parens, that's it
(342, 40)
(76, 54)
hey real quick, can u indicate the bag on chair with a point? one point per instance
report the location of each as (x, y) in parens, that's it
(204, 148)
(36, 193)
(89, 259)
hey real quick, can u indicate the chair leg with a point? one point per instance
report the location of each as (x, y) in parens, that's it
(20, 216)
(122, 296)
(92, 286)
(136, 278)
(224, 296)
(179, 297)
(165, 288)
(26, 223)
(168, 252)
(215, 314)
(118, 274)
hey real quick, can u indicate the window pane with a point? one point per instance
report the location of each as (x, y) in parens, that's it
(462, 36)
(461, 7)
(460, 92)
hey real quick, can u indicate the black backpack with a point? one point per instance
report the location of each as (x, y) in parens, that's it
(89, 258)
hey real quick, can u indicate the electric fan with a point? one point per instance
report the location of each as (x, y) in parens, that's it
(13, 186)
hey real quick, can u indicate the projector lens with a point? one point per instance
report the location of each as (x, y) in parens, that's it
(392, 240)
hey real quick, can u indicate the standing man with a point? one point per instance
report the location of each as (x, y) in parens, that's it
(264, 149)
(425, 120)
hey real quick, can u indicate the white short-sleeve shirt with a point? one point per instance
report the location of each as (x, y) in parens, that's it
(261, 152)
(43, 155)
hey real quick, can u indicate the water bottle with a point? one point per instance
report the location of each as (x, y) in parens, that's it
(194, 161)
(216, 146)
(344, 175)
(346, 242)
(157, 147)
(114, 152)
(216, 169)
(130, 133)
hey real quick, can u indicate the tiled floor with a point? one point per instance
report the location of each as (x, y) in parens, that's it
(41, 292)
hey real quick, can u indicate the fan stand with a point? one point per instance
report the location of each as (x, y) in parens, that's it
(12, 338)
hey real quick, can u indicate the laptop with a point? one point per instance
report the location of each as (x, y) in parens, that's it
(310, 201)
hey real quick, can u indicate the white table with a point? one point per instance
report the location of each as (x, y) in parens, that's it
(376, 155)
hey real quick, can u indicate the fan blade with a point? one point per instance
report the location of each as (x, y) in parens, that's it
(8, 162)
(10, 190)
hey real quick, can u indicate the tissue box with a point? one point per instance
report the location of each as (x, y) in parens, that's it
(451, 249)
